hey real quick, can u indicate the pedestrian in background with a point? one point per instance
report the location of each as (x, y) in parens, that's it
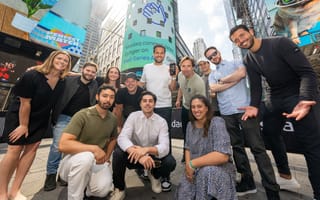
(27, 119)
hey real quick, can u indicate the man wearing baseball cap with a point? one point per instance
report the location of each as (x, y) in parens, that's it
(127, 99)
(205, 69)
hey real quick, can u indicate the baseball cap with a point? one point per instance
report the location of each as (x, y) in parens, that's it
(202, 59)
(131, 75)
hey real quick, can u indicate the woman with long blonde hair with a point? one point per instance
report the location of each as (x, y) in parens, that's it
(27, 119)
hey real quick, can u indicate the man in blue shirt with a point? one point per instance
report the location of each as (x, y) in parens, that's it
(229, 82)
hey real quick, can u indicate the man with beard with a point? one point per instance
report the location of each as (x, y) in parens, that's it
(143, 143)
(157, 79)
(292, 94)
(229, 82)
(87, 144)
(79, 93)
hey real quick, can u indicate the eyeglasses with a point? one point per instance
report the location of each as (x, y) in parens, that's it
(214, 54)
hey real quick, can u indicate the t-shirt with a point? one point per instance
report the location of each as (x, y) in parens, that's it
(157, 80)
(190, 87)
(130, 102)
(89, 128)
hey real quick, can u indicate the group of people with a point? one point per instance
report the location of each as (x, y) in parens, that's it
(98, 120)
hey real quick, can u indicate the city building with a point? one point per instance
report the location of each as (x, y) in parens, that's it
(118, 36)
(199, 46)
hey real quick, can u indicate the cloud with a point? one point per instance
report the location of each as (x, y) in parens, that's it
(204, 19)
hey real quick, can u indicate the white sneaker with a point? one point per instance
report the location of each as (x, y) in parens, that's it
(155, 183)
(18, 196)
(117, 194)
(287, 184)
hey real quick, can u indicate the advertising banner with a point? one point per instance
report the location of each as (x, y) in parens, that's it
(296, 19)
(148, 23)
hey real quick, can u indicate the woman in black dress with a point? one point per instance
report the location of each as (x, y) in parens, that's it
(36, 92)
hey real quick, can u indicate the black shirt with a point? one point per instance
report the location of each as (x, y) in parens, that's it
(130, 102)
(286, 69)
(81, 99)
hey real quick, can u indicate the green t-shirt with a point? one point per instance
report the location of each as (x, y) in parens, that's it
(89, 128)
(190, 87)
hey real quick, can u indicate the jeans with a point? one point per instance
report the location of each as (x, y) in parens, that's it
(306, 131)
(165, 113)
(54, 154)
(120, 162)
(248, 132)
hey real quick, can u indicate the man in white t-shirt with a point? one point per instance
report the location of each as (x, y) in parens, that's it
(156, 78)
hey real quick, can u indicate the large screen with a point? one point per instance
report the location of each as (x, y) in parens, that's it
(148, 23)
(296, 19)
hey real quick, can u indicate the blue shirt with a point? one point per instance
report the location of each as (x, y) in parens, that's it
(232, 98)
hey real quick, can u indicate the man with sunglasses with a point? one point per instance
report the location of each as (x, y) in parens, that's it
(229, 82)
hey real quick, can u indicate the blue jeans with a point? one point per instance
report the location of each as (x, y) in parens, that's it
(54, 154)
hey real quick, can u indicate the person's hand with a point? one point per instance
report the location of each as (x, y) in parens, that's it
(189, 172)
(178, 104)
(300, 110)
(136, 153)
(17, 133)
(99, 155)
(249, 112)
(147, 162)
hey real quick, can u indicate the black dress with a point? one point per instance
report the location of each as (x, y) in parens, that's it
(32, 84)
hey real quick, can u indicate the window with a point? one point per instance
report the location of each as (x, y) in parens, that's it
(149, 20)
(158, 34)
(143, 32)
(134, 23)
(170, 39)
(140, 10)
(129, 36)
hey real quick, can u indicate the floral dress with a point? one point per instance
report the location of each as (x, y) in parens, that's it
(210, 181)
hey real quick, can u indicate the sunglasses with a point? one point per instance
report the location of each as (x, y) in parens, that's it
(214, 54)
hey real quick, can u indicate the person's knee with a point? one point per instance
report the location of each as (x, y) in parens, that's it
(84, 160)
(169, 162)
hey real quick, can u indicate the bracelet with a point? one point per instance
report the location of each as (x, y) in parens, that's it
(191, 165)
(173, 78)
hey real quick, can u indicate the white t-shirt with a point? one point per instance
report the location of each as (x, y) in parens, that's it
(157, 80)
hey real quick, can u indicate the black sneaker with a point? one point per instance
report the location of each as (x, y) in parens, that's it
(142, 174)
(62, 182)
(50, 183)
(165, 184)
(244, 189)
(272, 195)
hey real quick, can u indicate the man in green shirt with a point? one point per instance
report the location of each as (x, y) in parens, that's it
(87, 143)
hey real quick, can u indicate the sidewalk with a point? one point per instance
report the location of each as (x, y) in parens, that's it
(137, 189)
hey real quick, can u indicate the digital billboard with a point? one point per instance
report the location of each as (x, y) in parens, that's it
(49, 22)
(296, 19)
(148, 23)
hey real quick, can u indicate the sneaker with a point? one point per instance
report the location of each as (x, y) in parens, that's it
(50, 183)
(18, 196)
(142, 173)
(272, 195)
(117, 194)
(244, 189)
(166, 184)
(62, 182)
(287, 184)
(155, 183)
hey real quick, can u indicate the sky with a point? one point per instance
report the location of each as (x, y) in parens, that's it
(205, 19)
